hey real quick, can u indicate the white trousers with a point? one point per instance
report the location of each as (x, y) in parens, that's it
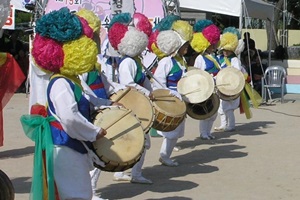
(167, 148)
(71, 174)
(206, 125)
(136, 170)
(226, 111)
(95, 174)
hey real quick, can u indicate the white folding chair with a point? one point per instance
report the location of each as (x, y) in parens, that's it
(274, 77)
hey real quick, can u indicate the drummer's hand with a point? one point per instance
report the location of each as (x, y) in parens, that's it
(117, 104)
(151, 96)
(101, 133)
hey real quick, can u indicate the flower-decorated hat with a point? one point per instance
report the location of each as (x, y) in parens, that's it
(129, 34)
(179, 32)
(205, 34)
(229, 39)
(64, 42)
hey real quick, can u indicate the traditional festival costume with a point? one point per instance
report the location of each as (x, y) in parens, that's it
(166, 40)
(206, 35)
(129, 36)
(64, 46)
(229, 41)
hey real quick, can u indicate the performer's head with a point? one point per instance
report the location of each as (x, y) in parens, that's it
(172, 23)
(206, 36)
(129, 34)
(64, 42)
(229, 41)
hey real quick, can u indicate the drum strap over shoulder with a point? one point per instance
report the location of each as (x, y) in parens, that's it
(59, 136)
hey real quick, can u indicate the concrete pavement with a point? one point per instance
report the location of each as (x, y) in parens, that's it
(259, 161)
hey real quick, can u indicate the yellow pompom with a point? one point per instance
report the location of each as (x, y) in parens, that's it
(229, 41)
(184, 29)
(157, 51)
(91, 18)
(80, 56)
(199, 43)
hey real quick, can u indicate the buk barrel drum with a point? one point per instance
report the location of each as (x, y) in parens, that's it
(229, 83)
(7, 191)
(196, 86)
(169, 110)
(203, 110)
(139, 103)
(124, 142)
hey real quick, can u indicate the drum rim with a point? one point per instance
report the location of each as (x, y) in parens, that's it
(216, 100)
(138, 154)
(150, 105)
(167, 113)
(225, 91)
(196, 97)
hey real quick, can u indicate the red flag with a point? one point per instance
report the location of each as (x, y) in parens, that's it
(11, 77)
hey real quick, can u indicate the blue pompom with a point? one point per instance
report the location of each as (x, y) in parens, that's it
(60, 25)
(232, 30)
(166, 23)
(123, 18)
(201, 24)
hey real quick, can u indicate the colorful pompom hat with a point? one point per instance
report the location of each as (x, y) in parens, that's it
(205, 35)
(64, 42)
(162, 45)
(129, 34)
(229, 39)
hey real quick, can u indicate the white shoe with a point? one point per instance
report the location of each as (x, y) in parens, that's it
(176, 149)
(141, 180)
(169, 162)
(220, 128)
(122, 177)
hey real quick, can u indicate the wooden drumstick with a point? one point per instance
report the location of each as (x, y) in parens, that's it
(122, 95)
(118, 119)
(195, 90)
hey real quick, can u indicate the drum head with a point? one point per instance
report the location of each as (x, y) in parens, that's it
(196, 86)
(139, 103)
(168, 104)
(204, 110)
(124, 142)
(230, 81)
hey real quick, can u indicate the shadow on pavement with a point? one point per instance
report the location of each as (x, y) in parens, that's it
(17, 153)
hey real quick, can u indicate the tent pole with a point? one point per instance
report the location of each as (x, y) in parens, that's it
(241, 16)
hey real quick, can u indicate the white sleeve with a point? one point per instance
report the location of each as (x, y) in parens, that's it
(91, 96)
(110, 86)
(162, 71)
(66, 108)
(236, 63)
(200, 63)
(127, 73)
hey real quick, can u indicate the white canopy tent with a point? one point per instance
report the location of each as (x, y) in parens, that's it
(255, 8)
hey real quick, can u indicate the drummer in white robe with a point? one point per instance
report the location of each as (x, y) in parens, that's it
(72, 131)
(228, 44)
(206, 37)
(130, 42)
(169, 71)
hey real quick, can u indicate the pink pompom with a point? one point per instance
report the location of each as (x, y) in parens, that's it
(87, 30)
(116, 33)
(212, 34)
(142, 23)
(152, 40)
(47, 53)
